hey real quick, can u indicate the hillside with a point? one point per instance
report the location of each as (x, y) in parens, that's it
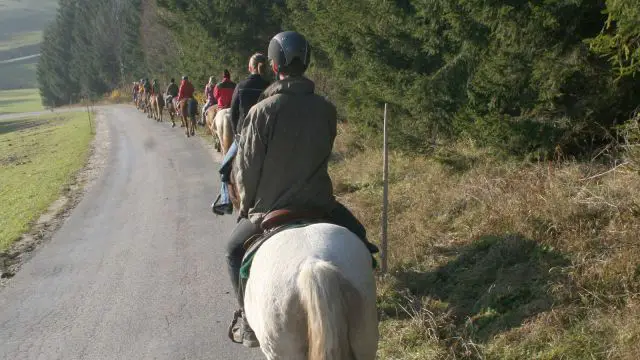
(22, 23)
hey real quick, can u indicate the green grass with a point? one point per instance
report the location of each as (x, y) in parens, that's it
(38, 157)
(493, 258)
(21, 25)
(21, 39)
(19, 75)
(19, 101)
(20, 16)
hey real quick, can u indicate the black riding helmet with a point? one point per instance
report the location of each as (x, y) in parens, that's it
(284, 48)
(185, 77)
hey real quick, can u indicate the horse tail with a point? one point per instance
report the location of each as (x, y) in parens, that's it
(193, 107)
(326, 295)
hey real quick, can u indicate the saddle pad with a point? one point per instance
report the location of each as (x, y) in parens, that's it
(247, 260)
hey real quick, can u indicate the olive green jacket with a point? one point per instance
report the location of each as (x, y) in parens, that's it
(284, 149)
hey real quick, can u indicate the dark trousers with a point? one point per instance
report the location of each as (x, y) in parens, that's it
(235, 251)
(245, 229)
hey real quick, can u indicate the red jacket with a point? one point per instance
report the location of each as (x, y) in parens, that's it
(223, 92)
(186, 90)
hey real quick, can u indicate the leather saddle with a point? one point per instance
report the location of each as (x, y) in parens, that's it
(273, 223)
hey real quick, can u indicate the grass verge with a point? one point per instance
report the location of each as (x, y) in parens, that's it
(38, 157)
(20, 101)
(21, 39)
(498, 259)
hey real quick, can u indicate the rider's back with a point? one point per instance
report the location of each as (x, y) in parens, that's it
(293, 129)
(248, 93)
(172, 89)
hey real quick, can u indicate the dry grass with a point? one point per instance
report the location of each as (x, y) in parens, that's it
(117, 96)
(496, 259)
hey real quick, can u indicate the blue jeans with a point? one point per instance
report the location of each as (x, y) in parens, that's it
(206, 107)
(225, 173)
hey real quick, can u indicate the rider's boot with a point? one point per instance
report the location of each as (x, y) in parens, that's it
(240, 332)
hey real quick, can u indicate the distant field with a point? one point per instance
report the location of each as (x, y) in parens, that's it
(18, 75)
(22, 23)
(38, 156)
(21, 39)
(19, 16)
(19, 101)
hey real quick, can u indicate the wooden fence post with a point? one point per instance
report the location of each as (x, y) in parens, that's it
(385, 194)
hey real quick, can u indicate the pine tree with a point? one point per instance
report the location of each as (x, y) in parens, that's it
(57, 85)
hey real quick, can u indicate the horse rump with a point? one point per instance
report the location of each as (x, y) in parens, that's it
(192, 106)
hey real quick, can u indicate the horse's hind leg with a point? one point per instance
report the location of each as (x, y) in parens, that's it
(363, 328)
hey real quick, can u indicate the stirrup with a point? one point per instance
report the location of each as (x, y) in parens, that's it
(236, 315)
(221, 209)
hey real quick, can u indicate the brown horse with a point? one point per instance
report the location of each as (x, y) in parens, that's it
(188, 109)
(145, 104)
(171, 109)
(157, 105)
(148, 107)
(152, 105)
(140, 101)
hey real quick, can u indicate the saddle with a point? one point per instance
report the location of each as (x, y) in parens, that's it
(273, 223)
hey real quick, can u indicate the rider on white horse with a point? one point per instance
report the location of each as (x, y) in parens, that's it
(284, 166)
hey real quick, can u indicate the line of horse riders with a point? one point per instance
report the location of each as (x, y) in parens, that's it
(179, 101)
(309, 291)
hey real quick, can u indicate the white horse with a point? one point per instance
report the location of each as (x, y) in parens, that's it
(222, 128)
(311, 295)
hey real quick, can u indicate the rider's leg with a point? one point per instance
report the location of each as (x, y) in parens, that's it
(340, 215)
(240, 331)
(235, 251)
(205, 108)
(225, 168)
(222, 205)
